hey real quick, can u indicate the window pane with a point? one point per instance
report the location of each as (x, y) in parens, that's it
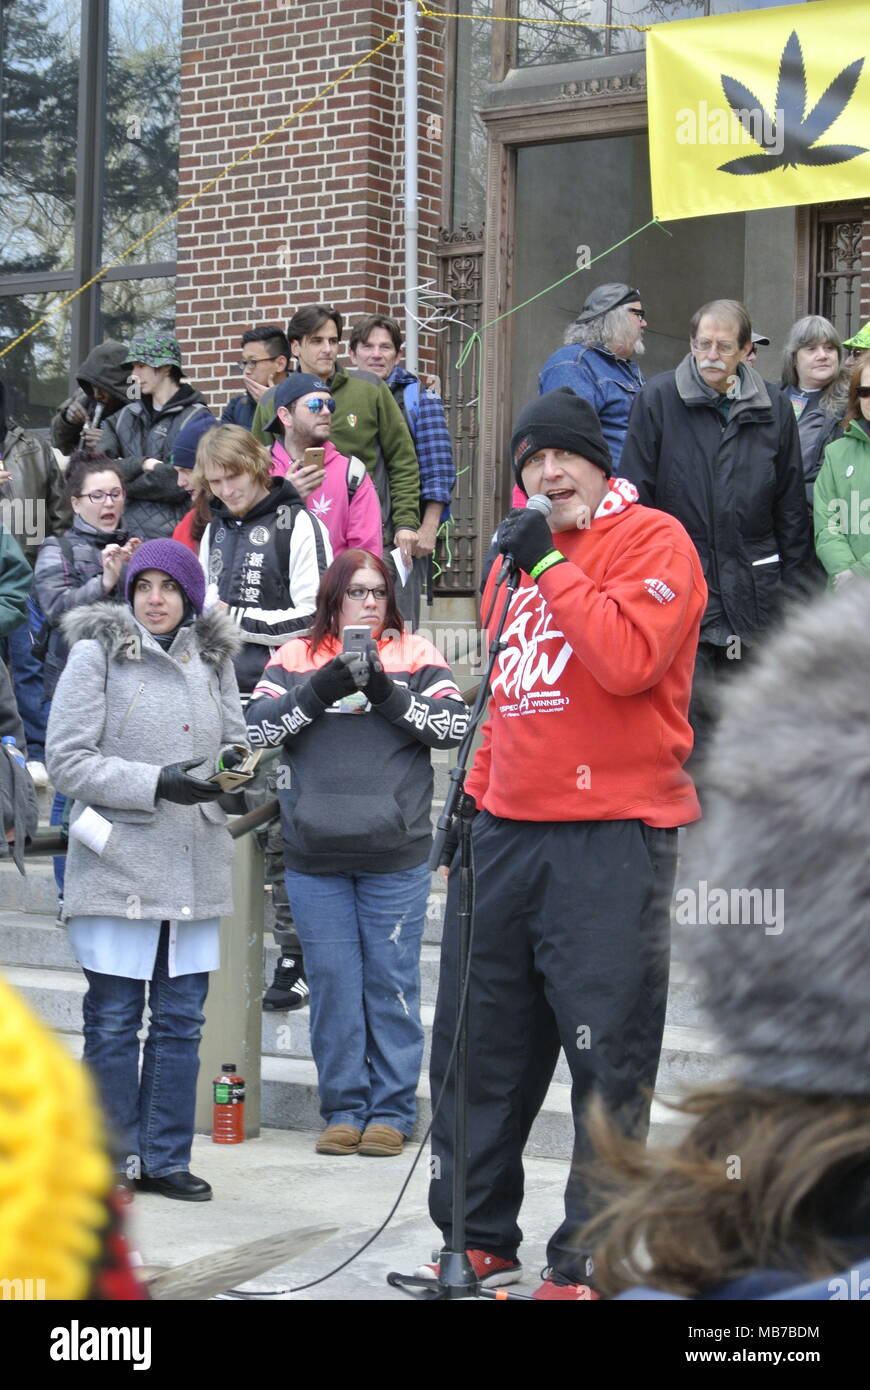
(473, 47)
(732, 6)
(141, 184)
(648, 12)
(552, 43)
(132, 306)
(36, 373)
(39, 69)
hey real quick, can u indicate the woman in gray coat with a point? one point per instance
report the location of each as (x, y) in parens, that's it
(148, 694)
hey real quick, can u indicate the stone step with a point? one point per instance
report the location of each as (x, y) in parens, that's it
(690, 1056)
(55, 995)
(290, 1101)
(29, 939)
(35, 891)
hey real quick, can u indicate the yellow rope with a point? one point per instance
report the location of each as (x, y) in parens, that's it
(54, 1170)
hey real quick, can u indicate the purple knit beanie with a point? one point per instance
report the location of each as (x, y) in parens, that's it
(175, 560)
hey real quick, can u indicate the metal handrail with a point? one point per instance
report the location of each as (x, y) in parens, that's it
(49, 843)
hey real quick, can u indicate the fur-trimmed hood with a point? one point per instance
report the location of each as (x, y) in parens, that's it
(217, 637)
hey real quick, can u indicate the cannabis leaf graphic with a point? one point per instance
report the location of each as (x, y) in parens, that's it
(792, 143)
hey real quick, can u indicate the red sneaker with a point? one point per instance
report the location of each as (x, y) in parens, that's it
(555, 1287)
(491, 1271)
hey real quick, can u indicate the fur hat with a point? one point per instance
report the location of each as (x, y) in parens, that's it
(173, 559)
(783, 846)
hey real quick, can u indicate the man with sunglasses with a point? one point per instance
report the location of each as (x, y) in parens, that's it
(717, 448)
(339, 493)
(265, 359)
(367, 422)
(596, 361)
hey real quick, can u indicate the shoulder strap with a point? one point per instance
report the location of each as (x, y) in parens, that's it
(356, 472)
(411, 402)
(283, 536)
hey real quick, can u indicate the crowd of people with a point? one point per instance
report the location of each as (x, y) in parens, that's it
(255, 583)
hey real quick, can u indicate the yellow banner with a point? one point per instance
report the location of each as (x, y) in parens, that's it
(760, 110)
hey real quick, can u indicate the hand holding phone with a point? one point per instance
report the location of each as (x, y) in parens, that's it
(357, 642)
(310, 474)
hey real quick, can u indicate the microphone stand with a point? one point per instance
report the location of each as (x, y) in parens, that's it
(456, 1277)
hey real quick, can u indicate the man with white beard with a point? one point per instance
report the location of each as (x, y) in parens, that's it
(596, 361)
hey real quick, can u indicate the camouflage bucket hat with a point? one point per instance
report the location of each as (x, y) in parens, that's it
(155, 350)
(860, 340)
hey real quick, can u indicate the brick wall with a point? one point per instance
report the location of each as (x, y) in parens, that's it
(315, 214)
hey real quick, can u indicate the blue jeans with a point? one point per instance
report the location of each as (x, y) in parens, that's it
(26, 674)
(58, 806)
(361, 937)
(152, 1117)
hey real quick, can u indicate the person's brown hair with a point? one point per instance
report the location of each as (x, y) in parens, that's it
(725, 309)
(853, 405)
(364, 328)
(81, 464)
(234, 449)
(330, 595)
(758, 1183)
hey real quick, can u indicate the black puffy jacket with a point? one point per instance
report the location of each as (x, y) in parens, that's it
(155, 502)
(736, 485)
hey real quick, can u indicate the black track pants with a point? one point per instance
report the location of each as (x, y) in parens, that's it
(570, 949)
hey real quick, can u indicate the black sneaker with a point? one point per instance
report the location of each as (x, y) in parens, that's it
(288, 989)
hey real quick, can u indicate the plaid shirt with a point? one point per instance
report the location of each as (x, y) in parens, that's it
(431, 441)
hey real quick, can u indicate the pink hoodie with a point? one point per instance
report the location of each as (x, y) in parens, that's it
(351, 522)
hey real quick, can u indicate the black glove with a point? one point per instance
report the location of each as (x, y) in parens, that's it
(344, 675)
(176, 784)
(378, 687)
(451, 839)
(525, 535)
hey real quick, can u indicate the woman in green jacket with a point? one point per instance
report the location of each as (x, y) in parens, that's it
(841, 496)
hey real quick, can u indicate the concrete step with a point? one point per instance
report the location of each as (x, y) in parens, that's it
(690, 1056)
(55, 995)
(290, 1101)
(28, 939)
(34, 891)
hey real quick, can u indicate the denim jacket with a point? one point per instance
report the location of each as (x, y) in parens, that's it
(608, 383)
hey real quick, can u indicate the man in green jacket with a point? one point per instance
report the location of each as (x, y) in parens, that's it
(367, 422)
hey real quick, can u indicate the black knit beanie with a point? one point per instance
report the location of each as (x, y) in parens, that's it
(559, 420)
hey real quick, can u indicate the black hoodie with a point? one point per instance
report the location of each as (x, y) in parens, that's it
(107, 367)
(267, 566)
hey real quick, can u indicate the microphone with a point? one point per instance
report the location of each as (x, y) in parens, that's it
(536, 503)
(97, 415)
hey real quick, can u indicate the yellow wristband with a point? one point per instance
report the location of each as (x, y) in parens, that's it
(552, 557)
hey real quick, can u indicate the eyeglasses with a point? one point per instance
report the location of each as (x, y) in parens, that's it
(359, 591)
(248, 363)
(706, 345)
(639, 311)
(863, 392)
(316, 404)
(96, 497)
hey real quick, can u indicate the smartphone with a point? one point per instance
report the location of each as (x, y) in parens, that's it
(313, 458)
(356, 639)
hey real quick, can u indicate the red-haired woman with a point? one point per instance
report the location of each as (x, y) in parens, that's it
(355, 785)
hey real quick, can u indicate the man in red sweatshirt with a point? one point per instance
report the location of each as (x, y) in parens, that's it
(579, 786)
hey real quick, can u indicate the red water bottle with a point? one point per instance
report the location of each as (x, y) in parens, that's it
(228, 1110)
